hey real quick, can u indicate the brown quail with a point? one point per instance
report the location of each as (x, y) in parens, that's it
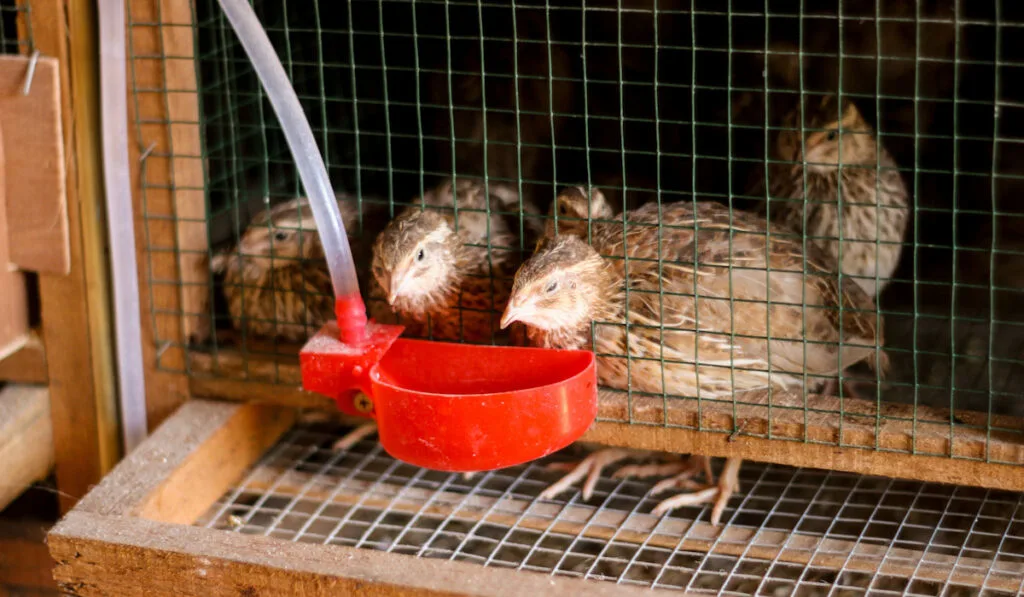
(445, 263)
(836, 181)
(276, 281)
(836, 184)
(711, 347)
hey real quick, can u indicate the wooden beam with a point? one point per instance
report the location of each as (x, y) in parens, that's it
(27, 364)
(865, 461)
(79, 363)
(105, 555)
(26, 439)
(189, 461)
(259, 392)
(911, 444)
(154, 201)
(184, 148)
(36, 197)
(13, 290)
(204, 474)
(905, 444)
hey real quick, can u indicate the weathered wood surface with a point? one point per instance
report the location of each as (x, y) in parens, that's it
(26, 439)
(104, 555)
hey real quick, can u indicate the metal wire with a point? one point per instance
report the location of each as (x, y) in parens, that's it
(652, 117)
(789, 532)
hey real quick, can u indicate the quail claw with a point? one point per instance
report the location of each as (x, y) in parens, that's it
(727, 485)
(678, 469)
(591, 467)
(685, 499)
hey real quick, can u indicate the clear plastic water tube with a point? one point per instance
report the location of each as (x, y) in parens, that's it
(350, 309)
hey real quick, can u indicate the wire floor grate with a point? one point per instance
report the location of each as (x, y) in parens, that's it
(787, 532)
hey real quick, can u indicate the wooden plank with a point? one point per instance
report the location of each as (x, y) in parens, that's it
(906, 449)
(644, 529)
(26, 439)
(13, 291)
(25, 562)
(213, 443)
(214, 466)
(36, 197)
(183, 145)
(865, 461)
(88, 168)
(79, 366)
(250, 367)
(153, 196)
(258, 392)
(103, 555)
(27, 364)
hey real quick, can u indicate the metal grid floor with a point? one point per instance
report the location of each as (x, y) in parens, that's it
(787, 532)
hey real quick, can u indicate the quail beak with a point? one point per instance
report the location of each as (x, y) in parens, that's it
(510, 316)
(397, 281)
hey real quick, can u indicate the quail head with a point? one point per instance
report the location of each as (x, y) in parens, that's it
(834, 182)
(446, 260)
(275, 238)
(574, 211)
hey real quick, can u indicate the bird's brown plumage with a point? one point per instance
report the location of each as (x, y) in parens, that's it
(807, 185)
(276, 280)
(709, 346)
(446, 261)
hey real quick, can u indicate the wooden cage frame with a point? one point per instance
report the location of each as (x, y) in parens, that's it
(131, 534)
(848, 442)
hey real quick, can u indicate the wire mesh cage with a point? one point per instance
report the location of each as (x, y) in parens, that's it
(797, 166)
(794, 532)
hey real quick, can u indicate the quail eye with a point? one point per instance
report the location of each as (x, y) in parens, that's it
(551, 287)
(280, 236)
(832, 135)
(562, 209)
(420, 255)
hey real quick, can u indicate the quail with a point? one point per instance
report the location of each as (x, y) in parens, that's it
(711, 347)
(445, 263)
(839, 186)
(276, 280)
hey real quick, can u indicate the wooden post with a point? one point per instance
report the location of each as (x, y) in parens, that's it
(168, 199)
(75, 307)
(13, 304)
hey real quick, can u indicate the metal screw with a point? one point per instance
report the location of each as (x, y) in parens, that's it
(363, 403)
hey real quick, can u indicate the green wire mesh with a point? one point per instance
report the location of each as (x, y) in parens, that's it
(14, 14)
(666, 101)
